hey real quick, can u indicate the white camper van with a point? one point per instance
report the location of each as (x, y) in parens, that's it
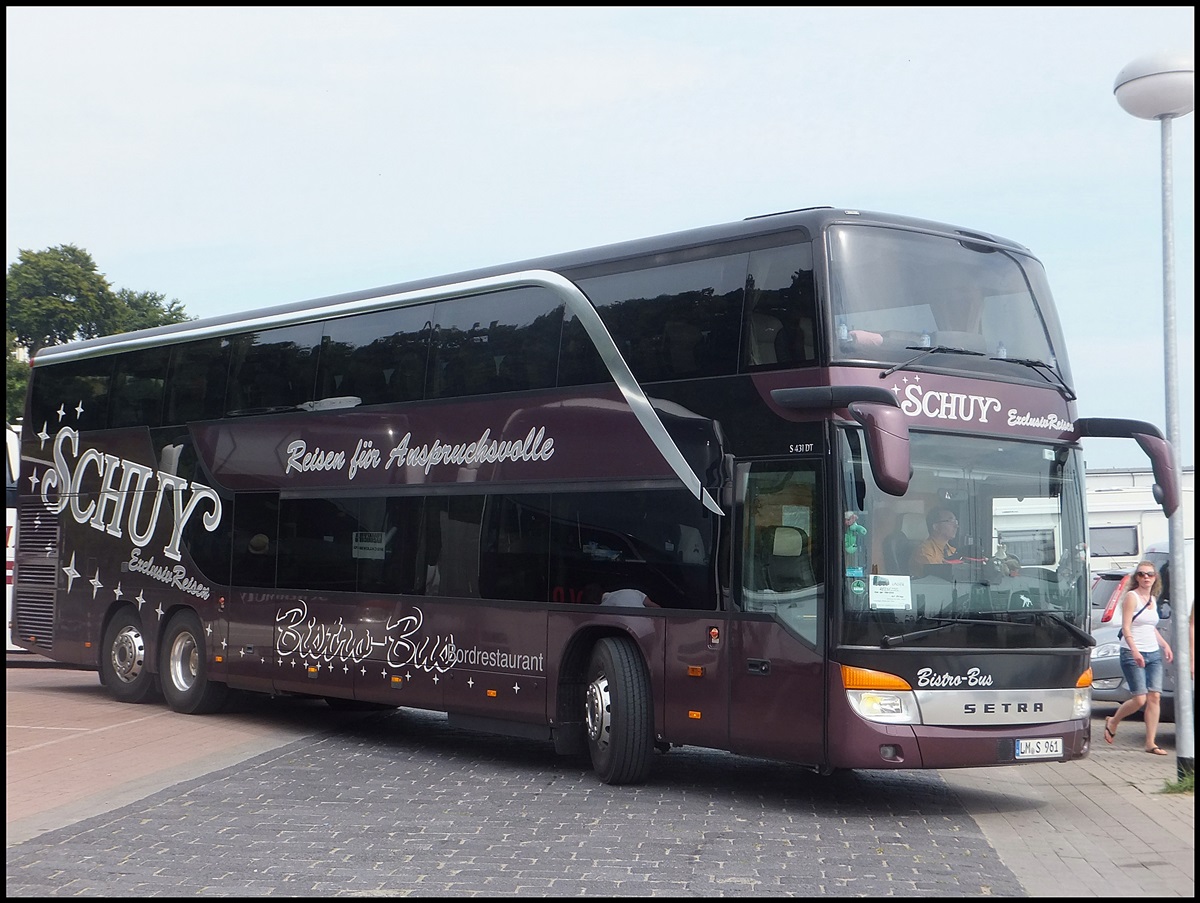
(1124, 520)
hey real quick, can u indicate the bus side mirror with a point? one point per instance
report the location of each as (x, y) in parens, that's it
(883, 422)
(1157, 449)
(887, 445)
(1161, 455)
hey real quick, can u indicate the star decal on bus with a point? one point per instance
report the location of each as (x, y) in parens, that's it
(71, 573)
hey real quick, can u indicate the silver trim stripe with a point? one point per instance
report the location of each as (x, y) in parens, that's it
(575, 300)
(984, 708)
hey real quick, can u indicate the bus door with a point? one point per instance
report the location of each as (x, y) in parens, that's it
(776, 650)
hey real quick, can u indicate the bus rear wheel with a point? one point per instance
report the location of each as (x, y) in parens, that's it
(184, 668)
(123, 666)
(618, 713)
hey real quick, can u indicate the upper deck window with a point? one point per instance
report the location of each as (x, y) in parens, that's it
(894, 292)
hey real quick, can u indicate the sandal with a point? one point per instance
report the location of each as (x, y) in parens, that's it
(1157, 751)
(1109, 736)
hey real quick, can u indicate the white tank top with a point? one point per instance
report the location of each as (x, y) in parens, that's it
(1145, 624)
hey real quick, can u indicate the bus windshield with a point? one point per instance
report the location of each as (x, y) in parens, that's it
(896, 292)
(985, 550)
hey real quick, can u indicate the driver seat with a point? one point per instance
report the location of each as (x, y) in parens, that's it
(898, 549)
(789, 564)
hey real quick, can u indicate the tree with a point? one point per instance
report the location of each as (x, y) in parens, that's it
(16, 379)
(56, 296)
(141, 310)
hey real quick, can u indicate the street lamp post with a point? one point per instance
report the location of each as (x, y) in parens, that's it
(1162, 87)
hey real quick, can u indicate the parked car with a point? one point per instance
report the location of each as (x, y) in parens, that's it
(1108, 588)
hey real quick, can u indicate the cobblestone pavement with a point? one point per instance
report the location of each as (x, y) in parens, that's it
(400, 804)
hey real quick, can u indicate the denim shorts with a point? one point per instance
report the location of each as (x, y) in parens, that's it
(1142, 679)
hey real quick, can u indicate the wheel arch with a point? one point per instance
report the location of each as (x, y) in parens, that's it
(570, 685)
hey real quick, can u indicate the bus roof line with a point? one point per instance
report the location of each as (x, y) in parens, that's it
(571, 295)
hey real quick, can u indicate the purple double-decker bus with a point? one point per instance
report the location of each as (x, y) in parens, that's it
(751, 487)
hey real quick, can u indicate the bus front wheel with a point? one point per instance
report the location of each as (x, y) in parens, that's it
(618, 712)
(124, 670)
(184, 668)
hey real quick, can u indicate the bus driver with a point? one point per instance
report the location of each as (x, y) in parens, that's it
(943, 525)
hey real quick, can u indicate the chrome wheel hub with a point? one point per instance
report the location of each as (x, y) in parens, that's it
(128, 655)
(185, 661)
(599, 711)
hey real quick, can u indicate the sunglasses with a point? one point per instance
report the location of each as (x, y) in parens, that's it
(1144, 574)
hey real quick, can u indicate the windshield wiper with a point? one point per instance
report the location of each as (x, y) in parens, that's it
(936, 349)
(1086, 638)
(888, 641)
(1056, 616)
(1041, 368)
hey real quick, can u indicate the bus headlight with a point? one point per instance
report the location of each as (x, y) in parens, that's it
(1082, 705)
(880, 696)
(887, 706)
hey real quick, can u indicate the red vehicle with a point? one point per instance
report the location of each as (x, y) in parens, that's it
(599, 498)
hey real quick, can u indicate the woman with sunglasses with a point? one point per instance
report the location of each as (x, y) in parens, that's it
(1143, 651)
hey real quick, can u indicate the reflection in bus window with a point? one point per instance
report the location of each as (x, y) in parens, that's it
(499, 342)
(379, 357)
(274, 369)
(137, 388)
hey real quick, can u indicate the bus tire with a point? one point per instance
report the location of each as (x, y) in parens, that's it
(618, 713)
(124, 670)
(184, 668)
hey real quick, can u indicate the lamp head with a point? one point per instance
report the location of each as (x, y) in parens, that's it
(1159, 86)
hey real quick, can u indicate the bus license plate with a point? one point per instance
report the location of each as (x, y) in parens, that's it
(1043, 748)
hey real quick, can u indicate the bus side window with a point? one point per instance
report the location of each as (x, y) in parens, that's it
(255, 538)
(137, 388)
(274, 368)
(79, 388)
(515, 548)
(673, 319)
(781, 300)
(196, 378)
(450, 546)
(316, 543)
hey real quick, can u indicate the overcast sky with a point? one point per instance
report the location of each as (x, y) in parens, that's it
(235, 158)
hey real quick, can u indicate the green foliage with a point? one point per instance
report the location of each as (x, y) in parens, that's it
(16, 378)
(1185, 784)
(141, 310)
(56, 296)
